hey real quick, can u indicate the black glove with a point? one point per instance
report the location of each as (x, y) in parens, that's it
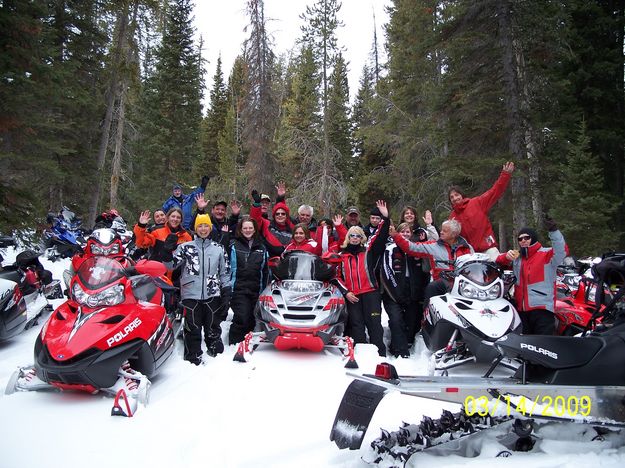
(226, 294)
(256, 196)
(204, 182)
(550, 224)
(170, 243)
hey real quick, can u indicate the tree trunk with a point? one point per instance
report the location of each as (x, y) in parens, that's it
(513, 110)
(111, 97)
(116, 169)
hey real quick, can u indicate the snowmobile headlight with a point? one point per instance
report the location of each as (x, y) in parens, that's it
(114, 250)
(470, 291)
(97, 250)
(108, 297)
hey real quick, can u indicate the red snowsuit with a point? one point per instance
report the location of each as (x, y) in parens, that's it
(472, 213)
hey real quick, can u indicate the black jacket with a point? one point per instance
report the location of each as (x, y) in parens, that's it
(248, 265)
(399, 287)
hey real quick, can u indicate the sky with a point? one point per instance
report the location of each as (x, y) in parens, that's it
(221, 25)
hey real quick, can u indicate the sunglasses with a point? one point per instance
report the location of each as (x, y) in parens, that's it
(524, 238)
(280, 214)
(356, 236)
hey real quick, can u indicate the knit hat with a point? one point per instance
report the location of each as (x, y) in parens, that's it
(280, 206)
(202, 219)
(530, 232)
(376, 212)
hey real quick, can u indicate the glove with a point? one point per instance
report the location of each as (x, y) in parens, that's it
(550, 224)
(226, 294)
(256, 196)
(204, 182)
(171, 241)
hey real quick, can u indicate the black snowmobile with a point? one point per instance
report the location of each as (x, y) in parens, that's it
(560, 378)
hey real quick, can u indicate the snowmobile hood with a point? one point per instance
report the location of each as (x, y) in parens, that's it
(72, 331)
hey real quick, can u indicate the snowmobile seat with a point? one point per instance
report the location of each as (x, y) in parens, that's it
(554, 352)
(143, 287)
(11, 273)
(28, 258)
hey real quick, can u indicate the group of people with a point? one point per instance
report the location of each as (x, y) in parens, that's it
(224, 264)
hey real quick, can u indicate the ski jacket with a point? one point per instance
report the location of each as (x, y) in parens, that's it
(440, 254)
(156, 239)
(185, 203)
(356, 271)
(276, 236)
(472, 213)
(205, 272)
(536, 274)
(402, 276)
(248, 266)
(309, 245)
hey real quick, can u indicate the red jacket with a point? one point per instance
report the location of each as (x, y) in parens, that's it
(356, 271)
(536, 274)
(315, 246)
(472, 213)
(276, 236)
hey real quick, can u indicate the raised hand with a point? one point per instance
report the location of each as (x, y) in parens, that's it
(256, 196)
(281, 189)
(337, 220)
(508, 167)
(427, 217)
(144, 217)
(235, 207)
(202, 202)
(381, 204)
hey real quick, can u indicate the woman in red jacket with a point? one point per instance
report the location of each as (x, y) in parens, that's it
(357, 280)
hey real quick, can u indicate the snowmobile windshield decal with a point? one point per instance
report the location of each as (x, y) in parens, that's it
(120, 335)
(546, 352)
(80, 321)
(302, 299)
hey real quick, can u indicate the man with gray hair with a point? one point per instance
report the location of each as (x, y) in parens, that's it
(305, 216)
(442, 254)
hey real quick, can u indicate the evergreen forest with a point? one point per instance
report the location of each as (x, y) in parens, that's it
(101, 106)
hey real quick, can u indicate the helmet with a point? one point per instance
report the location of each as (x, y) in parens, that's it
(105, 242)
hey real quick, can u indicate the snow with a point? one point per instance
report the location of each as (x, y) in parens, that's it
(274, 411)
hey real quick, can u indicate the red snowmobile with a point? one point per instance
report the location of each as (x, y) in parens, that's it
(111, 335)
(300, 309)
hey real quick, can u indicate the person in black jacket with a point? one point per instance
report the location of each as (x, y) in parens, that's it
(404, 282)
(249, 274)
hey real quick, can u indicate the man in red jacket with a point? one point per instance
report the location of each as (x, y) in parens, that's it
(472, 213)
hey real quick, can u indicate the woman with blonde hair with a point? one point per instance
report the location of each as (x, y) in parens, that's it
(357, 280)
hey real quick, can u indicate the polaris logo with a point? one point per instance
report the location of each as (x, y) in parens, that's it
(123, 334)
(544, 351)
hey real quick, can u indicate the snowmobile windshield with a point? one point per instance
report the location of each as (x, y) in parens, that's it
(68, 215)
(96, 272)
(297, 265)
(481, 274)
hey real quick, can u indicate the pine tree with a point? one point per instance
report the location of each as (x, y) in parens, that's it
(260, 109)
(582, 208)
(175, 97)
(339, 123)
(214, 122)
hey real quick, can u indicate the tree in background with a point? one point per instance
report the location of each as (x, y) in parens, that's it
(582, 209)
(260, 109)
(214, 122)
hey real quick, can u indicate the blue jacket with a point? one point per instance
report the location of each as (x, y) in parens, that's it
(186, 206)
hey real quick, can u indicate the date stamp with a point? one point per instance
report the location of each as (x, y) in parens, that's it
(542, 405)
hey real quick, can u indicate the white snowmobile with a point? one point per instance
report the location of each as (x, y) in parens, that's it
(463, 325)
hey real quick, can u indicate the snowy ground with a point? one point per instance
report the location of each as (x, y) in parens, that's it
(275, 411)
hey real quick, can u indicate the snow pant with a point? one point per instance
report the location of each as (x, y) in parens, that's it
(436, 288)
(199, 315)
(366, 314)
(538, 322)
(404, 321)
(243, 321)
